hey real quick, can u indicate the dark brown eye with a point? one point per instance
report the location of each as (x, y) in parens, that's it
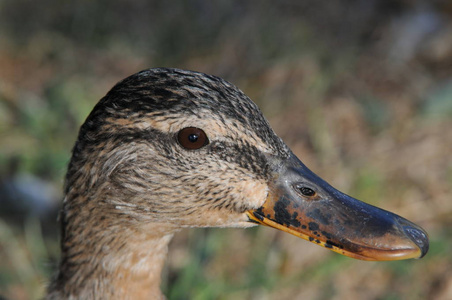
(192, 138)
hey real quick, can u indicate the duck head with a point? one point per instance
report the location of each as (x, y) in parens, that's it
(172, 148)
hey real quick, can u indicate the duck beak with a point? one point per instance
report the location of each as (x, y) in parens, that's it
(303, 204)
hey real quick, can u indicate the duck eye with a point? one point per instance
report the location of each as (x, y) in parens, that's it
(192, 138)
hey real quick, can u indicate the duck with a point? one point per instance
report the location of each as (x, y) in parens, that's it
(167, 149)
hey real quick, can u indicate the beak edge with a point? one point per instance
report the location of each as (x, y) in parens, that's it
(378, 255)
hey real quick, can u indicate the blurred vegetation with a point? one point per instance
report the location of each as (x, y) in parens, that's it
(361, 90)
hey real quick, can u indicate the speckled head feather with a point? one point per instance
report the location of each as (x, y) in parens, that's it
(169, 95)
(129, 176)
(141, 116)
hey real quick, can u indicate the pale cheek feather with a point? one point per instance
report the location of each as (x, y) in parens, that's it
(252, 192)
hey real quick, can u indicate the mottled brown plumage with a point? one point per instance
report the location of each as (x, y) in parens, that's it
(131, 184)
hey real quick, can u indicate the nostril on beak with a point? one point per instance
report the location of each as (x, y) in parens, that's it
(304, 190)
(419, 237)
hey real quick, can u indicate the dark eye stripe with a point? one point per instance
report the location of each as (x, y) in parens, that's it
(192, 138)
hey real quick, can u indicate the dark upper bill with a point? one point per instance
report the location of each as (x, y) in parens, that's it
(303, 204)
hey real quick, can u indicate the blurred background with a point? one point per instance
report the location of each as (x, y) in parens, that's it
(361, 90)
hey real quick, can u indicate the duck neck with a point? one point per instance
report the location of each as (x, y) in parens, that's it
(112, 262)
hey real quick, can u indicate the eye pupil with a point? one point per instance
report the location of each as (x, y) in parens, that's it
(192, 138)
